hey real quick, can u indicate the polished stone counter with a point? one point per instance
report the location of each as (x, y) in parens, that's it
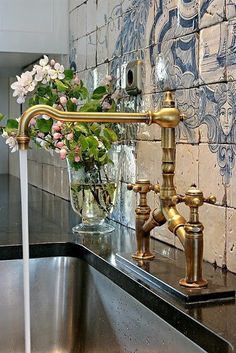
(210, 325)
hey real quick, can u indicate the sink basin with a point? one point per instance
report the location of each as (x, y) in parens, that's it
(76, 309)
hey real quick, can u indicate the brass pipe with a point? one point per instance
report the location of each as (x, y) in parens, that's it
(101, 117)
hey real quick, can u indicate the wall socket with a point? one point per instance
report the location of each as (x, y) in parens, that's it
(133, 77)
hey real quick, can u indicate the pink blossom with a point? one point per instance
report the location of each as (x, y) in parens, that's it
(57, 136)
(70, 136)
(77, 80)
(52, 62)
(60, 144)
(32, 121)
(59, 107)
(77, 158)
(106, 105)
(41, 135)
(63, 153)
(63, 100)
(56, 127)
(74, 100)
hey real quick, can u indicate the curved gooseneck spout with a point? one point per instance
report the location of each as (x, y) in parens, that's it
(168, 117)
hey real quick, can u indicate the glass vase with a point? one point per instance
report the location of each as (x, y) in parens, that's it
(92, 195)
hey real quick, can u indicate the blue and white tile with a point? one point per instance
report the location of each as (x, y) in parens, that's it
(128, 5)
(212, 53)
(102, 13)
(91, 49)
(127, 206)
(231, 51)
(211, 12)
(231, 239)
(213, 219)
(211, 181)
(165, 21)
(217, 106)
(82, 20)
(162, 63)
(150, 102)
(187, 102)
(81, 54)
(113, 32)
(186, 61)
(187, 17)
(75, 3)
(73, 25)
(114, 9)
(134, 27)
(230, 9)
(90, 16)
(102, 45)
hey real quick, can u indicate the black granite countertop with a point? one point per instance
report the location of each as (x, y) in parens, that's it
(211, 325)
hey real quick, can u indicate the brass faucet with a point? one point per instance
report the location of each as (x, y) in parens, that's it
(189, 233)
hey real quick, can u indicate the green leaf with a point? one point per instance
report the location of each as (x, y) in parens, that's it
(11, 125)
(44, 125)
(2, 116)
(106, 142)
(80, 92)
(62, 87)
(92, 141)
(33, 101)
(99, 92)
(71, 107)
(69, 74)
(83, 143)
(43, 100)
(81, 127)
(91, 106)
(110, 134)
(96, 129)
(43, 91)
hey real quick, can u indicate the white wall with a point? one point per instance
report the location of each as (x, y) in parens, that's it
(4, 95)
(28, 26)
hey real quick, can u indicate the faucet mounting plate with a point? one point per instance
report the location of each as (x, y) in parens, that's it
(164, 274)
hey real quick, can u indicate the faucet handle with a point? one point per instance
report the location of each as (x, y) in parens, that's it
(211, 199)
(143, 186)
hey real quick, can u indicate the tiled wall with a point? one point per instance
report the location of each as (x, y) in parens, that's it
(188, 46)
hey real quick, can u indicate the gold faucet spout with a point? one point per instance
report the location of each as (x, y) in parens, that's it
(100, 117)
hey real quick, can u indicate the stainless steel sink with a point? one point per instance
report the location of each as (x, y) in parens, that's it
(76, 309)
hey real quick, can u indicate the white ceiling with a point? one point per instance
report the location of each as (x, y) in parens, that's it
(12, 64)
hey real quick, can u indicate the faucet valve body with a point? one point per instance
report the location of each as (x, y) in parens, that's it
(142, 187)
(194, 239)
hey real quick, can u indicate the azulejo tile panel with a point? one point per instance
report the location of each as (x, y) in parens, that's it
(211, 12)
(187, 46)
(230, 8)
(212, 53)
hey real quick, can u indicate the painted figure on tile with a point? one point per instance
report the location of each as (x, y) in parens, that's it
(225, 108)
(217, 111)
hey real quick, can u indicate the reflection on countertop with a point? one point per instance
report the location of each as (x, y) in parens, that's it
(51, 220)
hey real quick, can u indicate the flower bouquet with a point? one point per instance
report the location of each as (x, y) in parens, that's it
(86, 146)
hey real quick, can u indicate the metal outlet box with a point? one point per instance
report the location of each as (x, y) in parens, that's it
(134, 77)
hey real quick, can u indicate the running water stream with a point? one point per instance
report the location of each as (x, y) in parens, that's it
(25, 245)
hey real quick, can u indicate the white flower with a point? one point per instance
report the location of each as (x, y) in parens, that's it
(45, 117)
(13, 144)
(5, 134)
(23, 85)
(57, 72)
(44, 61)
(42, 73)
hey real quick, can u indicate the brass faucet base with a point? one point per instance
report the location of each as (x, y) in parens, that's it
(200, 284)
(143, 256)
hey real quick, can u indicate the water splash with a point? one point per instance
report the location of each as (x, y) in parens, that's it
(25, 245)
